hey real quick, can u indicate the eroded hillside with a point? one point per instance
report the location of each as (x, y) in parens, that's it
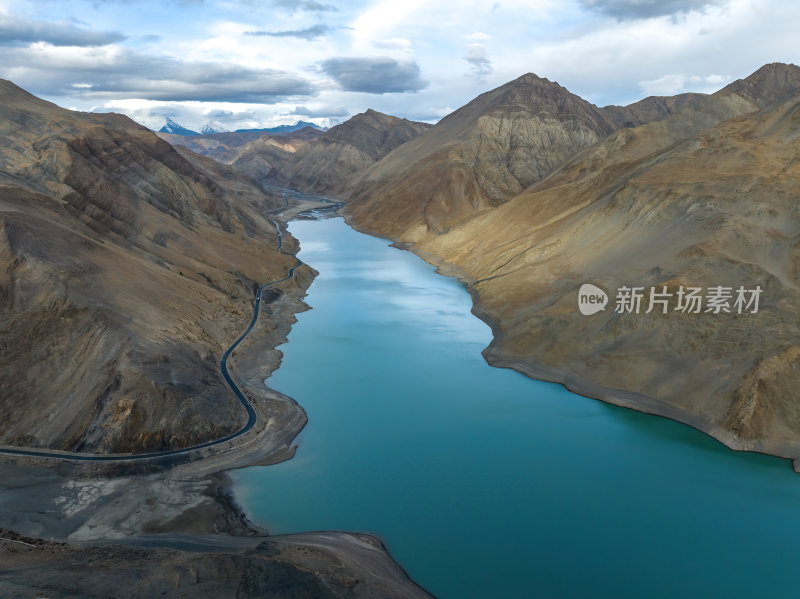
(127, 270)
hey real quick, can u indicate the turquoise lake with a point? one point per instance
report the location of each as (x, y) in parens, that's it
(484, 483)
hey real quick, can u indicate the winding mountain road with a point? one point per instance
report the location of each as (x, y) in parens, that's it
(252, 416)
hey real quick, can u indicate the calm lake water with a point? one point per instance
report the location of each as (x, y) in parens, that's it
(484, 483)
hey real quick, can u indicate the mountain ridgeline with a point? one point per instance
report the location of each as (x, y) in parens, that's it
(485, 153)
(226, 147)
(324, 164)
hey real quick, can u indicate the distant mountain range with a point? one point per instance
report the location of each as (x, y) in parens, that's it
(226, 146)
(283, 129)
(212, 128)
(324, 164)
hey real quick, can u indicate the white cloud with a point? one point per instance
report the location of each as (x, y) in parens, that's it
(605, 57)
(643, 9)
(378, 22)
(717, 79)
(478, 58)
(394, 43)
(677, 83)
(113, 72)
(663, 86)
(193, 115)
(613, 61)
(16, 30)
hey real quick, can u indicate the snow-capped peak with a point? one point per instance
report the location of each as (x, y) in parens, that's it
(213, 127)
(172, 127)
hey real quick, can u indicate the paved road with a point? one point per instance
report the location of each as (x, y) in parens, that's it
(252, 417)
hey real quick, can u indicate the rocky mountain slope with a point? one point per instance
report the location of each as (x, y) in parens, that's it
(704, 198)
(477, 157)
(652, 108)
(325, 164)
(127, 270)
(260, 158)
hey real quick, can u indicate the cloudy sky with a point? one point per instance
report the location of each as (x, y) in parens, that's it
(258, 63)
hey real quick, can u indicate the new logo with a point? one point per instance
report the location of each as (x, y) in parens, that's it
(591, 299)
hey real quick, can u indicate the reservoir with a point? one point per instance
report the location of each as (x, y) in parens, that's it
(484, 483)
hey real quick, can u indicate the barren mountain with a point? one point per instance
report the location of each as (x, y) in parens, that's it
(127, 270)
(324, 164)
(477, 157)
(226, 147)
(511, 137)
(704, 198)
(260, 158)
(652, 108)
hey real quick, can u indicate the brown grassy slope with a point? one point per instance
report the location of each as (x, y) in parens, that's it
(126, 270)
